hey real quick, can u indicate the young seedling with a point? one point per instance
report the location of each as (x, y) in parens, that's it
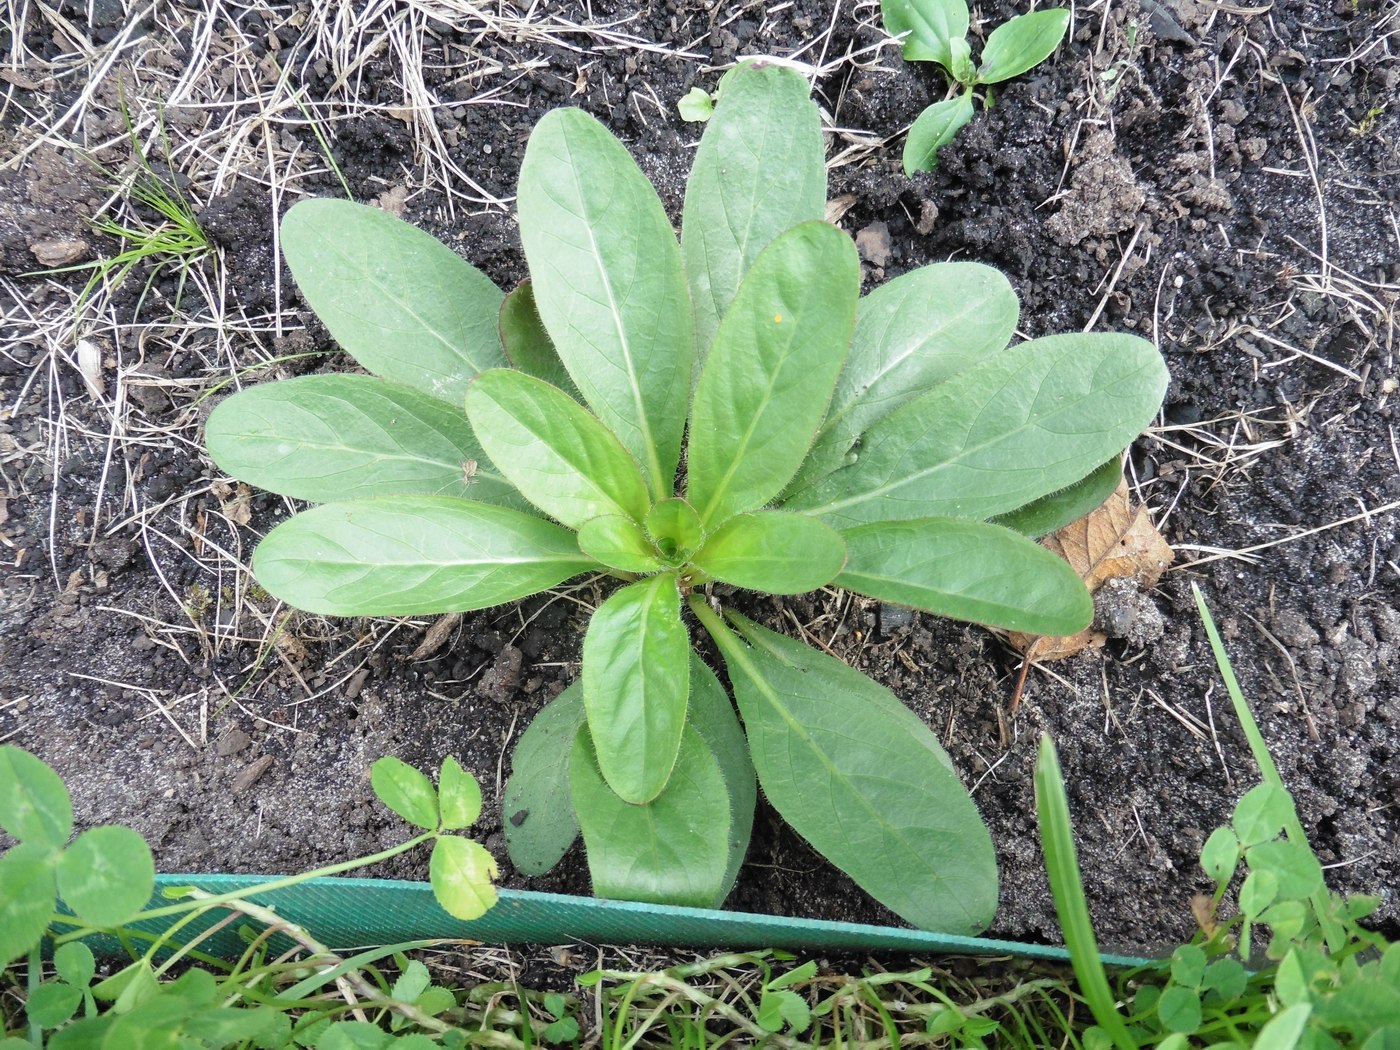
(936, 31)
(105, 879)
(828, 439)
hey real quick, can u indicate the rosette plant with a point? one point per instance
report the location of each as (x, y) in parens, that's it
(725, 408)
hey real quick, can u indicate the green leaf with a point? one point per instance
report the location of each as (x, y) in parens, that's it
(619, 543)
(337, 437)
(1286, 919)
(1295, 867)
(1180, 1009)
(461, 872)
(537, 813)
(773, 552)
(1049, 513)
(711, 714)
(911, 334)
(636, 677)
(933, 129)
(1029, 421)
(771, 371)
(759, 170)
(1021, 43)
(37, 809)
(132, 984)
(413, 555)
(459, 796)
(961, 67)
(779, 1007)
(107, 875)
(26, 898)
(1261, 813)
(1257, 892)
(1220, 855)
(412, 982)
(968, 570)
(858, 775)
(558, 455)
(1226, 979)
(668, 851)
(931, 25)
(695, 106)
(675, 528)
(1071, 907)
(75, 963)
(1188, 965)
(609, 285)
(405, 790)
(1284, 1029)
(527, 344)
(51, 1005)
(401, 303)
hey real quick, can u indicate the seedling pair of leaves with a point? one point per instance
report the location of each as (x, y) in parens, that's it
(827, 439)
(936, 31)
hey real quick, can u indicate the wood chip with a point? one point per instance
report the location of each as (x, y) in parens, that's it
(90, 366)
(251, 774)
(60, 251)
(437, 636)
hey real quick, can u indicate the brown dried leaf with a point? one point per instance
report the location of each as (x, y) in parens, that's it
(1114, 542)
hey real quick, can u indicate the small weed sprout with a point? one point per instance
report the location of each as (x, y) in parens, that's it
(173, 239)
(936, 31)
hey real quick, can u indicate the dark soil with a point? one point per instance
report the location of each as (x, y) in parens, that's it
(1222, 179)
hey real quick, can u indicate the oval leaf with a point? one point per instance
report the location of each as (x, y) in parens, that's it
(619, 543)
(400, 302)
(1053, 512)
(663, 852)
(771, 371)
(609, 285)
(405, 790)
(537, 812)
(561, 458)
(1028, 422)
(107, 875)
(711, 714)
(75, 963)
(336, 437)
(931, 26)
(413, 555)
(26, 898)
(911, 334)
(968, 570)
(459, 796)
(37, 808)
(461, 872)
(933, 129)
(1295, 867)
(527, 344)
(1021, 43)
(636, 677)
(774, 552)
(862, 779)
(1261, 813)
(759, 170)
